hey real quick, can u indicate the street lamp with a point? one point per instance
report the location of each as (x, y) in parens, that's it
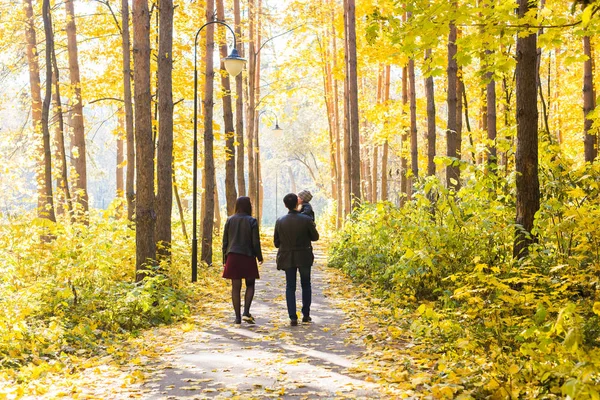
(257, 172)
(234, 65)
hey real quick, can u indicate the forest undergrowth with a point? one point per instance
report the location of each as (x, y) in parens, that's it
(72, 302)
(457, 316)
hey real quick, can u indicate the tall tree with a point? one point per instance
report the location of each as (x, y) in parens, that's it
(128, 104)
(404, 189)
(120, 158)
(164, 173)
(350, 20)
(379, 101)
(528, 188)
(239, 107)
(59, 138)
(336, 114)
(230, 192)
(258, 39)
(431, 136)
(347, 152)
(78, 139)
(414, 149)
(386, 146)
(491, 122)
(47, 209)
(145, 217)
(36, 97)
(452, 171)
(208, 202)
(590, 139)
(251, 107)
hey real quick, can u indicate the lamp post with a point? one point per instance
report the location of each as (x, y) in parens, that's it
(234, 65)
(257, 161)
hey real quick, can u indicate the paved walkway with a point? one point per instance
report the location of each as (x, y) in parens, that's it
(271, 358)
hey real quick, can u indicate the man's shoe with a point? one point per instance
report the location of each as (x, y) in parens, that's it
(294, 322)
(306, 319)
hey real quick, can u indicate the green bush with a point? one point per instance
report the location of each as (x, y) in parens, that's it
(64, 295)
(507, 328)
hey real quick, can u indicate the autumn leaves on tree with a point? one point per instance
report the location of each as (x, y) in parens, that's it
(407, 88)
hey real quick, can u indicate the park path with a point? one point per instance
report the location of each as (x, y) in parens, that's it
(270, 359)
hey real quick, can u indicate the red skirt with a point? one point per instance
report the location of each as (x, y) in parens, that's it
(239, 266)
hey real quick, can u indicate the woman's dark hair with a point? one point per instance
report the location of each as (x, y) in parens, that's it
(291, 201)
(243, 205)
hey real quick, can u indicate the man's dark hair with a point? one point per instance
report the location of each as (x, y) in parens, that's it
(291, 201)
(243, 205)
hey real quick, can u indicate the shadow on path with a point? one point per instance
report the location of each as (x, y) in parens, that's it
(269, 359)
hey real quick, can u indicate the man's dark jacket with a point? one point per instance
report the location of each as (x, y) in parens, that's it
(294, 233)
(240, 236)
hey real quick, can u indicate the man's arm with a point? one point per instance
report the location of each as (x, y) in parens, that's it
(276, 240)
(312, 231)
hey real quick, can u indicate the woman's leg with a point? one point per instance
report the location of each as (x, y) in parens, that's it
(249, 295)
(236, 288)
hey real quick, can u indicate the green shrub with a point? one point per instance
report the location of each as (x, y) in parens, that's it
(505, 327)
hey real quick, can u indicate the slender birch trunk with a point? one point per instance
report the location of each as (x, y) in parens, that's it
(78, 140)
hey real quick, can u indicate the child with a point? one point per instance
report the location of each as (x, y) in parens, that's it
(303, 200)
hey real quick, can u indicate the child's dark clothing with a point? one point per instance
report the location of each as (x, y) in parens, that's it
(307, 210)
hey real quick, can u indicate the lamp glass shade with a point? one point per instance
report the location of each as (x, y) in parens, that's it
(234, 64)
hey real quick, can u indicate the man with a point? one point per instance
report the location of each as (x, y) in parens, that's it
(294, 233)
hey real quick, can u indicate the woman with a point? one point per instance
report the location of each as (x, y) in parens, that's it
(241, 248)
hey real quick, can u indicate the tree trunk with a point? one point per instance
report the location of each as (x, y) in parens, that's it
(590, 139)
(385, 151)
(230, 192)
(250, 110)
(61, 155)
(36, 97)
(460, 89)
(259, 202)
(347, 157)
(145, 216)
(217, 227)
(328, 98)
(164, 173)
(374, 173)
(130, 177)
(452, 171)
(180, 208)
(292, 180)
(414, 150)
(375, 161)
(120, 158)
(336, 113)
(239, 107)
(404, 138)
(431, 136)
(209, 163)
(78, 141)
(528, 191)
(47, 209)
(491, 118)
(353, 103)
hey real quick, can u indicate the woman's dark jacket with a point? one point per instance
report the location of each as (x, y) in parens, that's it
(240, 236)
(294, 233)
